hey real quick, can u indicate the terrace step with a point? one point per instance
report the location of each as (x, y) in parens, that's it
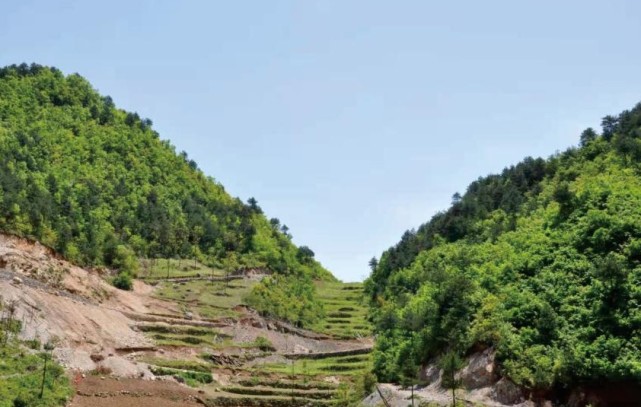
(237, 400)
(286, 384)
(285, 392)
(325, 355)
(177, 321)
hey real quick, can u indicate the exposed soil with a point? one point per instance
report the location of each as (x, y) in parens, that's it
(110, 392)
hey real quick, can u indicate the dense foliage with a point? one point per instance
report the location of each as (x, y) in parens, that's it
(97, 184)
(542, 262)
(274, 298)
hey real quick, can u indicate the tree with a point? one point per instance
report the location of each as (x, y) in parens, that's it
(628, 146)
(564, 196)
(48, 349)
(285, 231)
(373, 263)
(107, 114)
(588, 136)
(451, 363)
(253, 205)
(304, 254)
(408, 370)
(609, 124)
(125, 260)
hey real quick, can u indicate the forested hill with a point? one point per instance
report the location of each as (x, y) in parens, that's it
(97, 183)
(541, 262)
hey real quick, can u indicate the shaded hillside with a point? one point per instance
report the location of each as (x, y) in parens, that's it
(84, 177)
(542, 262)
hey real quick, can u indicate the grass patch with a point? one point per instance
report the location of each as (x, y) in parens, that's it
(190, 377)
(21, 376)
(286, 384)
(342, 365)
(268, 401)
(260, 391)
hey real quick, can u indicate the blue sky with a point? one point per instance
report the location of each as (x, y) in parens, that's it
(351, 121)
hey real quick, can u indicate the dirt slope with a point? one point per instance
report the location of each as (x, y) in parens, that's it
(55, 299)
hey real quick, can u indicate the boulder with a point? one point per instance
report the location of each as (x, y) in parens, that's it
(480, 370)
(506, 392)
(430, 374)
(300, 349)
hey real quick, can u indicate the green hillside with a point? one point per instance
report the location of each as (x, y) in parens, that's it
(98, 185)
(542, 262)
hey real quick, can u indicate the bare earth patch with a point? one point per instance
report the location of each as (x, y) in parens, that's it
(109, 392)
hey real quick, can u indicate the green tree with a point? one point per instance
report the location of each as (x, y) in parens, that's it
(125, 260)
(304, 254)
(46, 355)
(587, 136)
(451, 363)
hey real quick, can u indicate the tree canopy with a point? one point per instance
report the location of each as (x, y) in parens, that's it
(97, 184)
(541, 262)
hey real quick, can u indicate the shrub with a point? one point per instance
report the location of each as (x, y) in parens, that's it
(123, 281)
(264, 344)
(20, 402)
(367, 382)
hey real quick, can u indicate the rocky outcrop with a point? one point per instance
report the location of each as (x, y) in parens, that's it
(430, 374)
(480, 382)
(480, 370)
(506, 392)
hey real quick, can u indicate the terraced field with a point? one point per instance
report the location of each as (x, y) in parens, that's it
(304, 381)
(189, 336)
(207, 299)
(158, 269)
(345, 311)
(236, 358)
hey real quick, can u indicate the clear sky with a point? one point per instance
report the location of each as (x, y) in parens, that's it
(350, 121)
